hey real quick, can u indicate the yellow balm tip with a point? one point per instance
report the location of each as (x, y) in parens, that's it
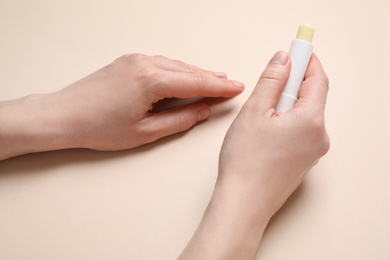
(305, 32)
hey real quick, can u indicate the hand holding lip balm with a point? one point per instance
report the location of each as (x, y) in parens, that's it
(300, 52)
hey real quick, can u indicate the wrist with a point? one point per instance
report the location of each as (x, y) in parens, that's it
(231, 228)
(250, 195)
(31, 124)
(243, 214)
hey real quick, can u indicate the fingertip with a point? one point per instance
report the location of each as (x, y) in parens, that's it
(203, 113)
(232, 88)
(280, 57)
(238, 84)
(228, 89)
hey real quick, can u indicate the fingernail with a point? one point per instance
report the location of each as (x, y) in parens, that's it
(220, 74)
(279, 58)
(202, 114)
(238, 84)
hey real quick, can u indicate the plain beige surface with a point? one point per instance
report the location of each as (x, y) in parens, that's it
(146, 203)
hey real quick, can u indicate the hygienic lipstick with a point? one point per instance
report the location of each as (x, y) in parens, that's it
(300, 53)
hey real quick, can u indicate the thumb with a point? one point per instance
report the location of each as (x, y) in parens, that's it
(176, 120)
(271, 83)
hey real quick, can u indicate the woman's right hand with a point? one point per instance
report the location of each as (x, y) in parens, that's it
(266, 155)
(263, 160)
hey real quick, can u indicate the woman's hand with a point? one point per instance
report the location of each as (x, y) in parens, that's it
(263, 159)
(111, 108)
(266, 155)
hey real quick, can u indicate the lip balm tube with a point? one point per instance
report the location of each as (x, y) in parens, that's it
(300, 53)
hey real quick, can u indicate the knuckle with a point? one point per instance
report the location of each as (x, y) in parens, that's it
(149, 76)
(131, 59)
(317, 125)
(272, 75)
(160, 57)
(323, 78)
(319, 135)
(184, 123)
(325, 145)
(137, 57)
(179, 62)
(185, 67)
(149, 73)
(121, 58)
(199, 79)
(134, 58)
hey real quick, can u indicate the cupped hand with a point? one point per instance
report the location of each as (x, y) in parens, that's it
(111, 109)
(266, 155)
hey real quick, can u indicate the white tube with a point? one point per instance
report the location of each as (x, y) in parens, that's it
(300, 52)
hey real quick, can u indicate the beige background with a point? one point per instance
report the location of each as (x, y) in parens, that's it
(146, 203)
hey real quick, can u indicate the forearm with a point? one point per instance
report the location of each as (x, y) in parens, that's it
(231, 228)
(32, 124)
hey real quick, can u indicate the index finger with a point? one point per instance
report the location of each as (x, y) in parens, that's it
(315, 87)
(195, 84)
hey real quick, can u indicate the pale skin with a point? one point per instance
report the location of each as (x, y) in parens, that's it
(263, 159)
(111, 108)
